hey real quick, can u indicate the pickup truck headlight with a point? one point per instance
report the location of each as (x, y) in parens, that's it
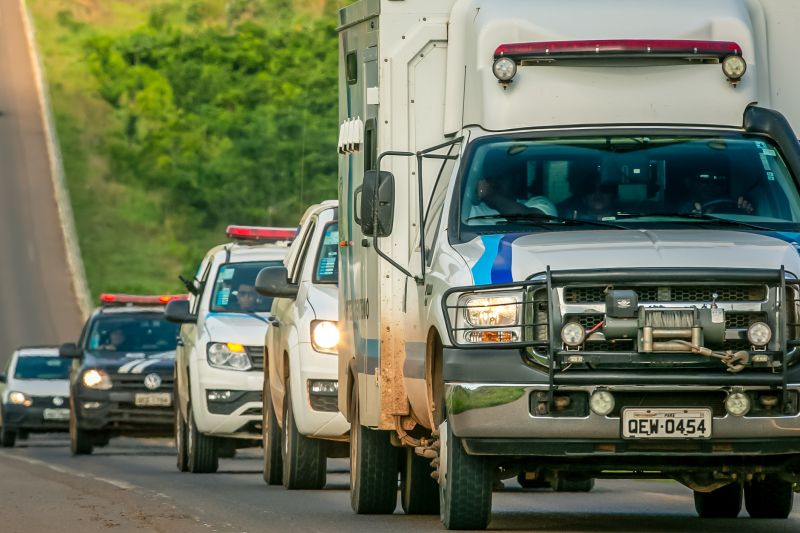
(19, 398)
(324, 336)
(228, 356)
(94, 378)
(499, 313)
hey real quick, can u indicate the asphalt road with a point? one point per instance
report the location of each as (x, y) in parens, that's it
(133, 485)
(37, 302)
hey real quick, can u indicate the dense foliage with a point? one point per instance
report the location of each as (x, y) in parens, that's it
(236, 122)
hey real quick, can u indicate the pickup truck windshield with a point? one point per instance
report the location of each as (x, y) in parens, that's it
(235, 288)
(118, 334)
(626, 182)
(39, 367)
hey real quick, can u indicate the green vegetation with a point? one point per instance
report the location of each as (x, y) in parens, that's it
(177, 118)
(462, 400)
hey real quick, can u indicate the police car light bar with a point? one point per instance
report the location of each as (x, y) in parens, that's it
(124, 299)
(260, 233)
(620, 48)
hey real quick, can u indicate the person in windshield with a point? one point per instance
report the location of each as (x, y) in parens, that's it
(499, 192)
(115, 342)
(246, 298)
(594, 203)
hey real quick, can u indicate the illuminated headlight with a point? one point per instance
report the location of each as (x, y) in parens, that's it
(759, 334)
(573, 334)
(504, 69)
(737, 403)
(96, 379)
(324, 336)
(601, 402)
(734, 67)
(20, 398)
(228, 355)
(482, 311)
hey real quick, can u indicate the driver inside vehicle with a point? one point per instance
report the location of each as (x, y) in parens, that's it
(115, 340)
(500, 192)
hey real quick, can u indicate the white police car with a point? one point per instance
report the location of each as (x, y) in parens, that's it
(35, 395)
(219, 368)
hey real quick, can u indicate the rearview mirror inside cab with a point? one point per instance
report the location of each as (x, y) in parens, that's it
(377, 218)
(178, 311)
(274, 281)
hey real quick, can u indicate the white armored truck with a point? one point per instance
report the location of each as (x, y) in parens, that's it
(569, 249)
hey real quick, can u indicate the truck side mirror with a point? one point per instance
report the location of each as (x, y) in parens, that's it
(377, 219)
(71, 350)
(178, 311)
(274, 281)
(2, 378)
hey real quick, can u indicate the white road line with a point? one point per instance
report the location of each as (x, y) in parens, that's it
(124, 485)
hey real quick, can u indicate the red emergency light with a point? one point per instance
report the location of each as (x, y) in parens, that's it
(125, 299)
(260, 233)
(508, 56)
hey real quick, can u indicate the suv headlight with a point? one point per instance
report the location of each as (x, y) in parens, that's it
(19, 398)
(324, 336)
(228, 356)
(94, 378)
(494, 311)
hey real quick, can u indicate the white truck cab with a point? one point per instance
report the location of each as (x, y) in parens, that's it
(219, 359)
(302, 424)
(569, 248)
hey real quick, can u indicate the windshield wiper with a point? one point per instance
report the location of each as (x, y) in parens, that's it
(693, 216)
(542, 219)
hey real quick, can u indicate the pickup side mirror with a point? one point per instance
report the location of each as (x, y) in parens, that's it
(377, 219)
(2, 378)
(178, 311)
(71, 350)
(274, 281)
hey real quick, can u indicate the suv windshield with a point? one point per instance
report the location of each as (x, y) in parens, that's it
(326, 268)
(235, 288)
(132, 333)
(39, 367)
(625, 181)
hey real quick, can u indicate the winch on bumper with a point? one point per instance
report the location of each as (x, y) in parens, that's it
(628, 364)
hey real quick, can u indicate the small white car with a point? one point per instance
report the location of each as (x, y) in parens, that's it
(35, 395)
(219, 358)
(302, 424)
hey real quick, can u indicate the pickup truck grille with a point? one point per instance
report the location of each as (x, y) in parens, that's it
(135, 382)
(671, 293)
(256, 355)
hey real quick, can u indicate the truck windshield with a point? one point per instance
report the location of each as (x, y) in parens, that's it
(235, 288)
(626, 182)
(40, 367)
(123, 333)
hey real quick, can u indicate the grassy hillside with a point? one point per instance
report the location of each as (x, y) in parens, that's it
(176, 118)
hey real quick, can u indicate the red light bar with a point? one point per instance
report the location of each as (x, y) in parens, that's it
(122, 299)
(619, 48)
(260, 233)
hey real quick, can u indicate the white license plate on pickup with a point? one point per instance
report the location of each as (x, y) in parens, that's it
(666, 423)
(56, 414)
(153, 399)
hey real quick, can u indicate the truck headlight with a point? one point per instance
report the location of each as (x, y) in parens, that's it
(504, 69)
(19, 398)
(228, 356)
(94, 378)
(734, 67)
(324, 336)
(482, 311)
(759, 334)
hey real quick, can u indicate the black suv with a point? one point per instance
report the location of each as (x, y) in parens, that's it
(124, 380)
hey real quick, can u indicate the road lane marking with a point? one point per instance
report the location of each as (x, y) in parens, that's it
(123, 485)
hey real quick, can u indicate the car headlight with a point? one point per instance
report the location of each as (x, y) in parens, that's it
(229, 356)
(482, 311)
(324, 336)
(19, 398)
(95, 378)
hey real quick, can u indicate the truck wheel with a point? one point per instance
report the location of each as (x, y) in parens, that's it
(201, 449)
(304, 460)
(419, 492)
(771, 497)
(80, 441)
(724, 502)
(272, 438)
(373, 467)
(101, 439)
(465, 485)
(7, 437)
(564, 482)
(182, 461)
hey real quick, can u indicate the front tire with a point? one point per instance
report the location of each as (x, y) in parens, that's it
(8, 437)
(272, 439)
(771, 497)
(465, 485)
(419, 492)
(182, 461)
(202, 449)
(304, 460)
(373, 467)
(724, 502)
(80, 441)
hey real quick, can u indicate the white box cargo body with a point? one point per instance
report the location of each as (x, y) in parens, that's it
(616, 102)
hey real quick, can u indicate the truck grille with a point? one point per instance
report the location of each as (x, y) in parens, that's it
(256, 355)
(672, 293)
(714, 400)
(135, 382)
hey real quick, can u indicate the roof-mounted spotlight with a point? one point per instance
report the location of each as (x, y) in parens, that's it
(504, 69)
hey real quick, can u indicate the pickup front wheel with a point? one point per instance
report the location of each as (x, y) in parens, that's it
(202, 449)
(304, 459)
(272, 437)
